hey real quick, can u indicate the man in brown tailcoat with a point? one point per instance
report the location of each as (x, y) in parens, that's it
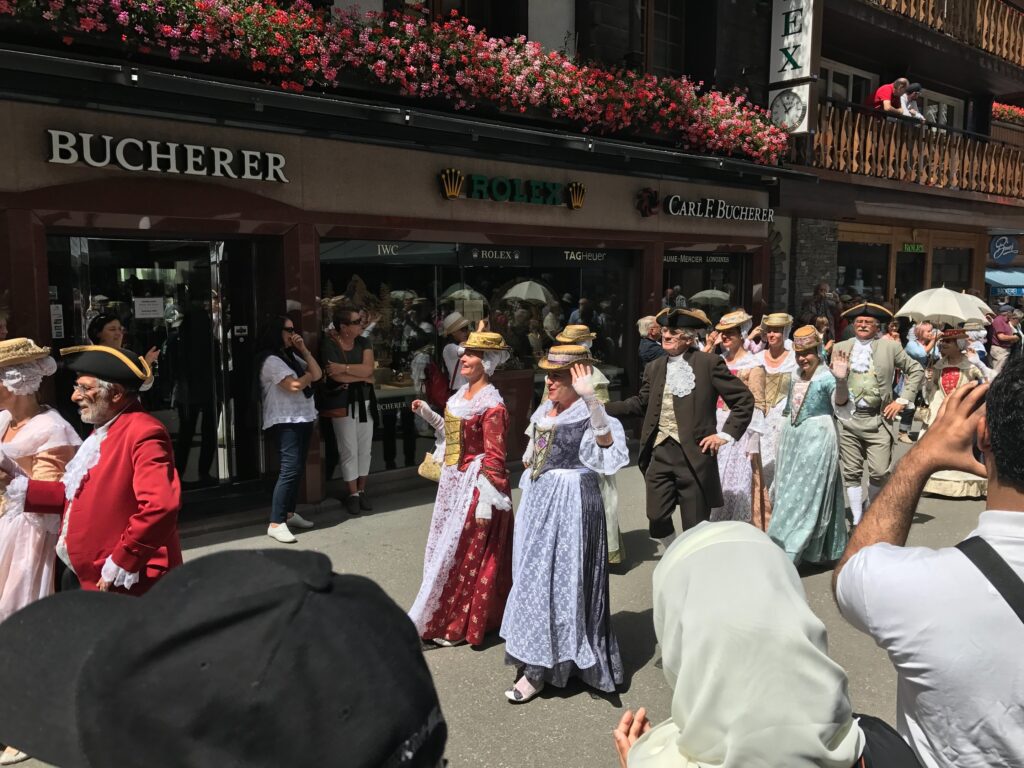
(680, 441)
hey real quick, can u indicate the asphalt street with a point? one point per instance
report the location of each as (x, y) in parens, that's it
(563, 728)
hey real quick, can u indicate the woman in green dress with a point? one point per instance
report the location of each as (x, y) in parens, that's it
(807, 495)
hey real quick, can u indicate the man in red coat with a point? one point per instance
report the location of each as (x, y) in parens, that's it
(120, 494)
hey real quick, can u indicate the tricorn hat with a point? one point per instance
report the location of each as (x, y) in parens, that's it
(867, 309)
(670, 317)
(18, 351)
(119, 366)
(564, 356)
(574, 334)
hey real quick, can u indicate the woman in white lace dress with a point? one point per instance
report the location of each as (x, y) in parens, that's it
(779, 362)
(739, 461)
(34, 441)
(467, 566)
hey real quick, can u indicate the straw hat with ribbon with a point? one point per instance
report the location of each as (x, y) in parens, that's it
(732, 320)
(564, 356)
(776, 320)
(18, 351)
(485, 341)
(574, 334)
(453, 321)
(806, 339)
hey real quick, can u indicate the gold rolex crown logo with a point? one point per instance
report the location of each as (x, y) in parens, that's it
(577, 192)
(452, 181)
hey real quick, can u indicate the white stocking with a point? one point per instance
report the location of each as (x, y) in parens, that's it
(855, 495)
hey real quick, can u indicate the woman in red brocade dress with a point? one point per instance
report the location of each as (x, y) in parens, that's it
(467, 567)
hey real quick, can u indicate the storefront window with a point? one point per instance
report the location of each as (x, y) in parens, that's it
(910, 273)
(863, 270)
(951, 267)
(526, 294)
(711, 281)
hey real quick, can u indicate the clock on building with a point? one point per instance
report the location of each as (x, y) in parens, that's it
(788, 110)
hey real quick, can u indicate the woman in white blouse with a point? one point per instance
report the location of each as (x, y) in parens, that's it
(287, 372)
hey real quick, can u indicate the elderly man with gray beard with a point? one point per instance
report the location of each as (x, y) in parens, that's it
(120, 495)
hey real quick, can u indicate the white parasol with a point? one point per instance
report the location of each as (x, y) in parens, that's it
(710, 296)
(984, 307)
(529, 290)
(942, 306)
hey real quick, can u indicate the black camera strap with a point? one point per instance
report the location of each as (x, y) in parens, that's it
(996, 570)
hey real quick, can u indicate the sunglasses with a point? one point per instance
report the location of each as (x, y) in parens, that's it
(289, 329)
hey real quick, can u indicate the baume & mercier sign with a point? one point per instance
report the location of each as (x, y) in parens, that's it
(647, 203)
(136, 155)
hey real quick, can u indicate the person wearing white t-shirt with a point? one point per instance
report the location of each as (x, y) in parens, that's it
(952, 637)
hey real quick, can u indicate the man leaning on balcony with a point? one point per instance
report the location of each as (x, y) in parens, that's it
(887, 97)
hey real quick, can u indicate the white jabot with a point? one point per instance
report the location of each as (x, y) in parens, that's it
(860, 356)
(747, 660)
(679, 378)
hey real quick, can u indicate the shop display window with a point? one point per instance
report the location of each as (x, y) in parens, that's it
(406, 289)
(951, 267)
(910, 274)
(711, 281)
(863, 271)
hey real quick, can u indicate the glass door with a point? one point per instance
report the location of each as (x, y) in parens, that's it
(174, 302)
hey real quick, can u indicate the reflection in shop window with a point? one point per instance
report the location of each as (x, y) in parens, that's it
(710, 281)
(405, 290)
(951, 267)
(863, 270)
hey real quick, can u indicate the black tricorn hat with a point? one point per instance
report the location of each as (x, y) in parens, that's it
(867, 309)
(681, 318)
(119, 366)
(262, 658)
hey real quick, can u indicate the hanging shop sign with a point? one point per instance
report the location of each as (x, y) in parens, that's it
(494, 255)
(702, 208)
(149, 155)
(1004, 249)
(579, 257)
(793, 27)
(913, 248)
(502, 189)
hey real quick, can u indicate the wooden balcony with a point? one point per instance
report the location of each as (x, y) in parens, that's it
(994, 26)
(858, 141)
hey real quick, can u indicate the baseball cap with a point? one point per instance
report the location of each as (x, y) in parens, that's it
(263, 658)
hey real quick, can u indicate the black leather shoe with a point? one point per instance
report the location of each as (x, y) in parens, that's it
(364, 503)
(352, 504)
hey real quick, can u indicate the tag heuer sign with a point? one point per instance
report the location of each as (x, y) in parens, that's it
(501, 189)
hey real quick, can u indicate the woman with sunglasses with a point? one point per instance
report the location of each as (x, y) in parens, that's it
(287, 371)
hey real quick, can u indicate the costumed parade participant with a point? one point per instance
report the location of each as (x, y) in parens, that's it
(744, 493)
(120, 494)
(779, 363)
(40, 443)
(467, 566)
(584, 337)
(557, 622)
(680, 438)
(807, 496)
(953, 371)
(867, 433)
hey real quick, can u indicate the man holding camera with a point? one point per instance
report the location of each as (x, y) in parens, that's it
(821, 304)
(952, 619)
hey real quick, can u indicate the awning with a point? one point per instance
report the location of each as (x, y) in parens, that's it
(1005, 278)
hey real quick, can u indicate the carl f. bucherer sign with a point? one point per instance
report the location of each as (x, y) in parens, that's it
(138, 155)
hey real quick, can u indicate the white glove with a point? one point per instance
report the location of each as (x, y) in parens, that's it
(425, 412)
(118, 576)
(598, 416)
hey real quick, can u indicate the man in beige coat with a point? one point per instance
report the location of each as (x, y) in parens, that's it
(867, 417)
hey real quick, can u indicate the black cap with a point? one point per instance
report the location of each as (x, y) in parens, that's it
(120, 366)
(261, 659)
(680, 318)
(867, 309)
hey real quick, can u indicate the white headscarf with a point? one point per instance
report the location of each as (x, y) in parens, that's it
(26, 378)
(490, 359)
(747, 660)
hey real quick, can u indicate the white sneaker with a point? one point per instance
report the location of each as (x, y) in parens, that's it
(295, 520)
(281, 533)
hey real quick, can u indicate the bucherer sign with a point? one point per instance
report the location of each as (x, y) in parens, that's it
(138, 155)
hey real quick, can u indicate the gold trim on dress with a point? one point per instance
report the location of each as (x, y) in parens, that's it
(452, 438)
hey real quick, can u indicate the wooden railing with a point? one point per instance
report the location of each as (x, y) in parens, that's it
(992, 25)
(852, 140)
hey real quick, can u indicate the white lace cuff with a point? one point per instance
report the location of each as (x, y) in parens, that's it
(16, 493)
(903, 401)
(727, 437)
(489, 499)
(118, 576)
(754, 442)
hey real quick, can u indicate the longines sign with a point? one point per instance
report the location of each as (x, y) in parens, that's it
(135, 155)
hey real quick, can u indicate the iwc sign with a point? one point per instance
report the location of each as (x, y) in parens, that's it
(701, 208)
(501, 189)
(137, 155)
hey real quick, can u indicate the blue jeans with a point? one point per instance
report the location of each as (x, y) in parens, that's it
(293, 445)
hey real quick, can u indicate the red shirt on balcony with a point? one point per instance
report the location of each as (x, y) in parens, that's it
(887, 97)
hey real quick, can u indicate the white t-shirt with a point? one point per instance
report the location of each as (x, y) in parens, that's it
(955, 643)
(280, 406)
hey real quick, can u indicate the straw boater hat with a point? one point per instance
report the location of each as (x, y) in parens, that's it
(776, 320)
(453, 322)
(733, 320)
(867, 309)
(670, 317)
(119, 366)
(574, 334)
(485, 341)
(18, 351)
(564, 356)
(805, 338)
(953, 333)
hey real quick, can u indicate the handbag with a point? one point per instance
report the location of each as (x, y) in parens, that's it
(429, 468)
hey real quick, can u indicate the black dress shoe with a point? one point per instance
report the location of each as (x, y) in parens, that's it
(352, 504)
(364, 503)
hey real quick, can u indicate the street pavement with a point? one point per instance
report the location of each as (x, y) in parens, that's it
(562, 728)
